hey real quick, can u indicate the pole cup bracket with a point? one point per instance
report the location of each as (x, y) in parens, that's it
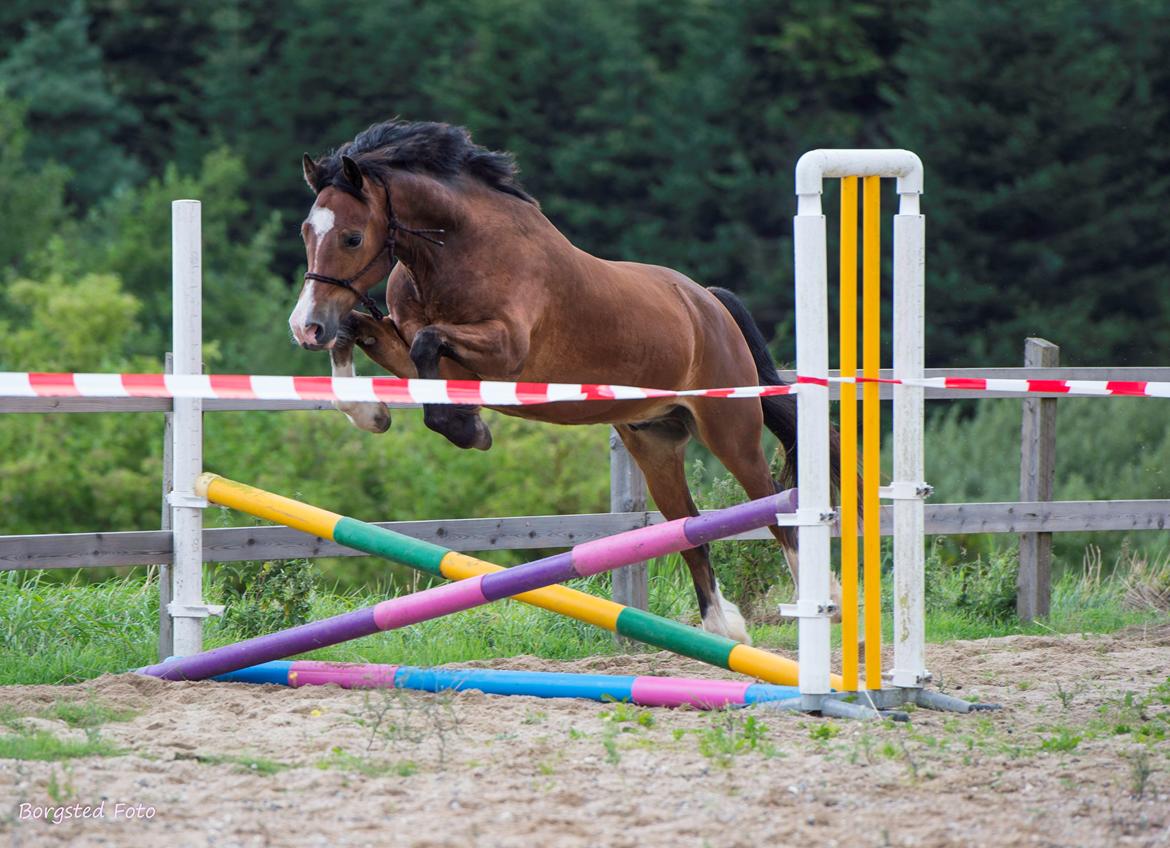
(187, 499)
(806, 518)
(177, 610)
(806, 608)
(904, 490)
(908, 679)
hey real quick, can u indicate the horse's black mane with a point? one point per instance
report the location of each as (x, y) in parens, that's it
(441, 150)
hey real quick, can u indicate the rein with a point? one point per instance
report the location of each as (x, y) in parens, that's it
(392, 227)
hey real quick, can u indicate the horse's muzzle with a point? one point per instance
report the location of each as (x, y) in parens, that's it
(314, 333)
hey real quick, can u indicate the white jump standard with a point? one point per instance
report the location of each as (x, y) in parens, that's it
(815, 607)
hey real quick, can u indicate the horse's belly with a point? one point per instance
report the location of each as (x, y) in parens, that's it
(593, 412)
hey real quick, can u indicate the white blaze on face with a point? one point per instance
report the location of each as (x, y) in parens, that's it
(300, 314)
(321, 220)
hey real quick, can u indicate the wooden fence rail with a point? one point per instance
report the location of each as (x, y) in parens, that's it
(232, 544)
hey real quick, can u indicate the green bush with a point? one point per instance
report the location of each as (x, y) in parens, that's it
(752, 574)
(263, 597)
(1106, 449)
(410, 473)
(984, 586)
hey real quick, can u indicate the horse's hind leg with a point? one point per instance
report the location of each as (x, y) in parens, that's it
(733, 435)
(658, 448)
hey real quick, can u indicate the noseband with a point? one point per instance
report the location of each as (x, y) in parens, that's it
(392, 227)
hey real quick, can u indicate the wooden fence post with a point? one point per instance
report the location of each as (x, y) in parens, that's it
(1037, 470)
(627, 493)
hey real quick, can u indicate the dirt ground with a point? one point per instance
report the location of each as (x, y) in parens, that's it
(1068, 761)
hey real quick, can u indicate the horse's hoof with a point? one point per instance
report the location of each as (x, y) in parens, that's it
(463, 429)
(724, 619)
(483, 436)
(371, 417)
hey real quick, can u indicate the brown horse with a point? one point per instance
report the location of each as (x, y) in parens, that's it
(483, 286)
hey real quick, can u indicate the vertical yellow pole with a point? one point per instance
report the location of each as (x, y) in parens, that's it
(871, 429)
(848, 424)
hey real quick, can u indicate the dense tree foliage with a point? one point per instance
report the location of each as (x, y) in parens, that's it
(663, 132)
(1043, 126)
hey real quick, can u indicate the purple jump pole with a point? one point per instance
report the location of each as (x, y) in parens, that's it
(583, 560)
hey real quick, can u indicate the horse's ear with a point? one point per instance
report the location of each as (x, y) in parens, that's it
(352, 172)
(310, 168)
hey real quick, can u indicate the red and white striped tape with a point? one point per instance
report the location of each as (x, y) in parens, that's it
(1079, 388)
(386, 389)
(14, 384)
(1076, 388)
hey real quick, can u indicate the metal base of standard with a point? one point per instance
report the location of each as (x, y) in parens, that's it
(932, 700)
(869, 704)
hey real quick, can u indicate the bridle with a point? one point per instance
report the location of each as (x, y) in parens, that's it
(393, 225)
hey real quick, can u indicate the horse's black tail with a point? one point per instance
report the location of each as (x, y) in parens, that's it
(779, 410)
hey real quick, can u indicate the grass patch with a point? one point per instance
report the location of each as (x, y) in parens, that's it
(70, 632)
(824, 731)
(244, 764)
(1062, 741)
(42, 745)
(21, 742)
(10, 718)
(342, 760)
(621, 712)
(86, 713)
(53, 632)
(731, 734)
(1145, 718)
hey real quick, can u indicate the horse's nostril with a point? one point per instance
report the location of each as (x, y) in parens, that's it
(313, 333)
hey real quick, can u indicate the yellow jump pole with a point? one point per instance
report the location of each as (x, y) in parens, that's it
(871, 429)
(848, 424)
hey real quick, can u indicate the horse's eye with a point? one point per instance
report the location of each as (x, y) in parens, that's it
(354, 240)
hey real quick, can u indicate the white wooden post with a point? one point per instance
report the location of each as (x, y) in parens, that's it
(812, 345)
(186, 607)
(908, 488)
(812, 453)
(166, 632)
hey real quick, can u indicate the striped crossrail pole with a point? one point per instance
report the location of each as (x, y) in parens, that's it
(480, 582)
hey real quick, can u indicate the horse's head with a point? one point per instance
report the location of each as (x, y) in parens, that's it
(349, 247)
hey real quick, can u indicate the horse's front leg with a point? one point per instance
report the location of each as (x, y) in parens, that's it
(487, 347)
(370, 416)
(381, 341)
